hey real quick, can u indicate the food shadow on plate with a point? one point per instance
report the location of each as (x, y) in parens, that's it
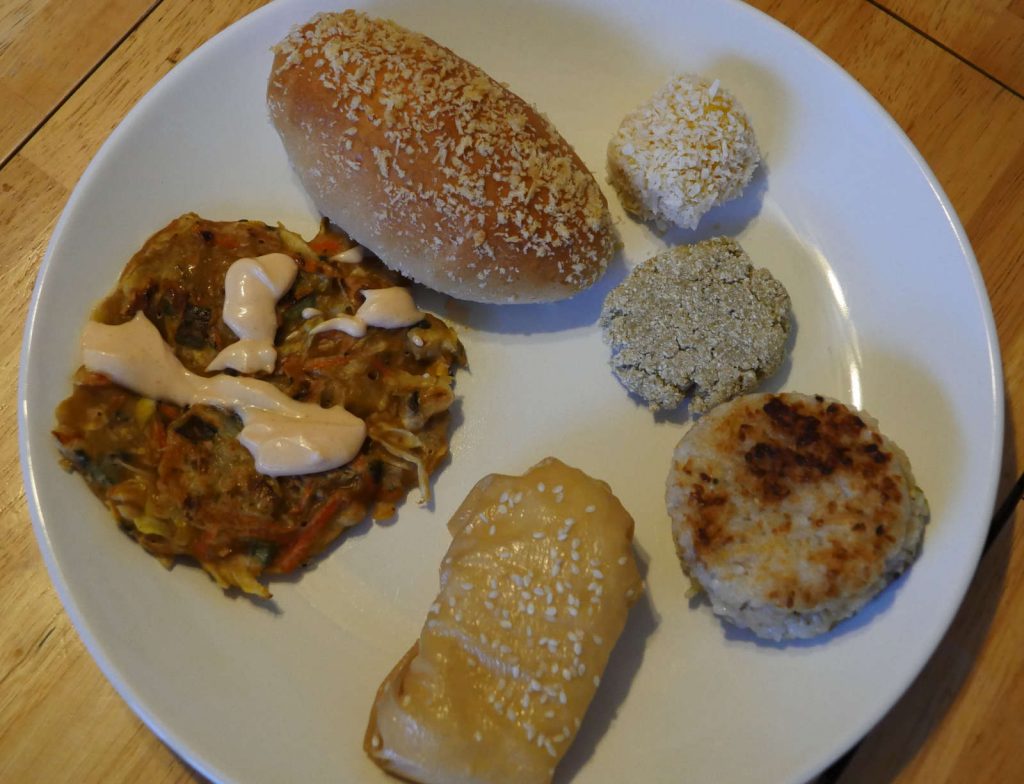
(623, 666)
(729, 219)
(880, 604)
(581, 310)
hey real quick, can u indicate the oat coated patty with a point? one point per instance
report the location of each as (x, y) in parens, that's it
(696, 319)
(791, 512)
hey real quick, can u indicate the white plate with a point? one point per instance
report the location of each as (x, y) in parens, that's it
(891, 315)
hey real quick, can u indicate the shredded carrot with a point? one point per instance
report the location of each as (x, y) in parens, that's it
(325, 245)
(303, 545)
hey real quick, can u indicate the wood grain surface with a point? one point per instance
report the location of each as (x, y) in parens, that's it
(60, 721)
(986, 33)
(44, 55)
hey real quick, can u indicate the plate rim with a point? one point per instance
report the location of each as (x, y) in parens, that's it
(98, 650)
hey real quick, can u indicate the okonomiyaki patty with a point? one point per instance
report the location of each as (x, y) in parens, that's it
(177, 479)
(792, 511)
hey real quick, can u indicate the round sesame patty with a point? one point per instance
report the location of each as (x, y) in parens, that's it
(791, 512)
(696, 318)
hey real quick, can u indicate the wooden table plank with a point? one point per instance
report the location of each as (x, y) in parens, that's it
(33, 79)
(963, 719)
(986, 33)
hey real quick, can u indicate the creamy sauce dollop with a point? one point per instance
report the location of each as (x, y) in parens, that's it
(285, 437)
(387, 308)
(252, 288)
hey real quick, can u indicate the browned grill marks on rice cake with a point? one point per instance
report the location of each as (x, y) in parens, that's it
(792, 511)
(415, 101)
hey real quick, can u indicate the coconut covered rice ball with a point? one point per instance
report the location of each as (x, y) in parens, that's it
(689, 148)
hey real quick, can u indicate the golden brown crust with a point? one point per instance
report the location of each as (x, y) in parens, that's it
(444, 173)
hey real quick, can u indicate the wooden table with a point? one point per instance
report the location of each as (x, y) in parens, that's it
(950, 71)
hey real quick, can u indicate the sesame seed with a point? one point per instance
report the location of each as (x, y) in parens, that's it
(510, 715)
(551, 612)
(590, 509)
(505, 624)
(540, 487)
(623, 560)
(598, 574)
(538, 534)
(598, 639)
(491, 530)
(562, 698)
(556, 489)
(573, 612)
(597, 680)
(375, 741)
(504, 498)
(477, 736)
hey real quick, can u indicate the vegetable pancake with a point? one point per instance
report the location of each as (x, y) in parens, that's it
(177, 479)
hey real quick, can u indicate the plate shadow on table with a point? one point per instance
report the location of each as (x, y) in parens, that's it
(623, 665)
(922, 710)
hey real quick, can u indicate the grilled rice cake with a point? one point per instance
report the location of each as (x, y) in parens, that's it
(535, 590)
(177, 479)
(792, 511)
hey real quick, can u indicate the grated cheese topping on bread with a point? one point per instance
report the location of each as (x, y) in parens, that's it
(465, 167)
(689, 148)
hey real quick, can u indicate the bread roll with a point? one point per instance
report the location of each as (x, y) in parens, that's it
(442, 172)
